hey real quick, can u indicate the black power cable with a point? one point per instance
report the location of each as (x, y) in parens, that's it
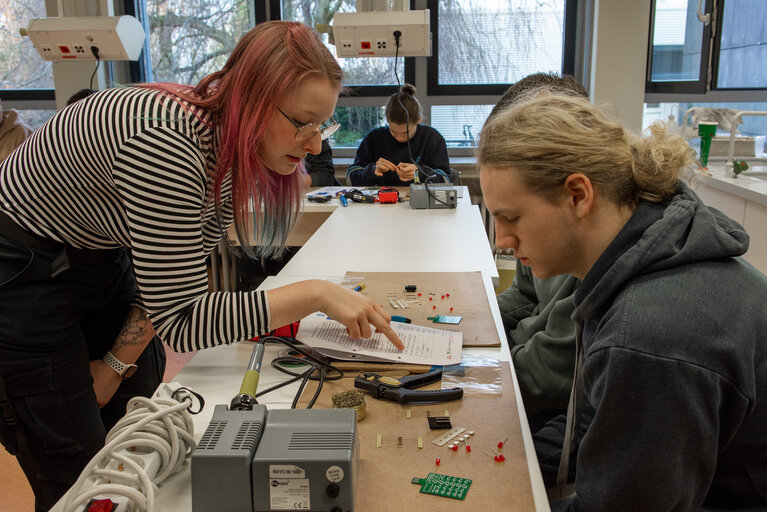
(419, 170)
(316, 365)
(95, 52)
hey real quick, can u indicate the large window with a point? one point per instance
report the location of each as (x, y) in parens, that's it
(460, 124)
(496, 42)
(696, 52)
(20, 65)
(479, 47)
(189, 39)
(355, 123)
(742, 48)
(709, 58)
(24, 76)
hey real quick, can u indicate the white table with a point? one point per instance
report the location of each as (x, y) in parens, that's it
(361, 237)
(217, 374)
(395, 238)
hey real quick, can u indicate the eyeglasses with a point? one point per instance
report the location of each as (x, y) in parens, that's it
(305, 132)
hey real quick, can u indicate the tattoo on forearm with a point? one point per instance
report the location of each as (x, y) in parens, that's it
(137, 329)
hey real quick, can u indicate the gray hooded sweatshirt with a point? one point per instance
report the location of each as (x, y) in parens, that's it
(675, 366)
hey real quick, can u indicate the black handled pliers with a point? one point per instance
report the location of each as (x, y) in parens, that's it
(401, 389)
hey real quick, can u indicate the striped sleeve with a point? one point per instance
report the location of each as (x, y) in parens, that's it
(160, 175)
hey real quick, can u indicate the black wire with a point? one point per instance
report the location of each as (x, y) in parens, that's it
(316, 365)
(407, 114)
(95, 52)
(419, 169)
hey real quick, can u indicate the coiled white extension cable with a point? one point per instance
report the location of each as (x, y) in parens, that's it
(152, 440)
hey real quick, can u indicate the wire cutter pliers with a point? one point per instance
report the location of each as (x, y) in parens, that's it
(401, 389)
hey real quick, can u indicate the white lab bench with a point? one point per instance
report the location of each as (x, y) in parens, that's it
(360, 237)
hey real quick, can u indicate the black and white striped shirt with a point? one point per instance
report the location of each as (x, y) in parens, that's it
(129, 168)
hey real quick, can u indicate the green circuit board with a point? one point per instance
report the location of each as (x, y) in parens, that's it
(443, 485)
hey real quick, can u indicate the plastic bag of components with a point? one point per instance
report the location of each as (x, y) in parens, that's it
(476, 375)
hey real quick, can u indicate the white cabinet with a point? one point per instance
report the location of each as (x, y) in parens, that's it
(747, 206)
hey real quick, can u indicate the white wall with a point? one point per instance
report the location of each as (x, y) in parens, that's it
(619, 58)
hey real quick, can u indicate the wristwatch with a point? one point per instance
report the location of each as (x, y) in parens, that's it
(125, 371)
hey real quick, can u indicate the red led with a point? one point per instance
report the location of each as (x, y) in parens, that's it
(454, 447)
(443, 296)
(437, 461)
(429, 298)
(447, 295)
(500, 445)
(451, 310)
(501, 458)
(468, 448)
(419, 294)
(434, 307)
(497, 459)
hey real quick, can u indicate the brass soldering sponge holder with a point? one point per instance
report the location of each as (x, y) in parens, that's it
(350, 399)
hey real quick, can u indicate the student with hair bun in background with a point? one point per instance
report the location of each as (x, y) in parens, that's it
(384, 157)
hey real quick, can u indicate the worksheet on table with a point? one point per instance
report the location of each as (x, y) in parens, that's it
(423, 345)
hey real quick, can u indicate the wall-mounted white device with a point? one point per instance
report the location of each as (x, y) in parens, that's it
(75, 37)
(371, 34)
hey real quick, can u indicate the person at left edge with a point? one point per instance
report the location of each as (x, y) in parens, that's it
(12, 132)
(104, 233)
(384, 156)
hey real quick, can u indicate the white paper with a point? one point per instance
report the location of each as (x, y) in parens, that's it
(423, 345)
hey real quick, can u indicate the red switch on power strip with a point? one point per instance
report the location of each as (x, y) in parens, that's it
(365, 45)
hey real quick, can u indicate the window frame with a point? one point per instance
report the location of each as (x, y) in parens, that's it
(28, 99)
(434, 88)
(706, 89)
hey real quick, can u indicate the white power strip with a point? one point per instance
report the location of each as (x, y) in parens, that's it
(152, 440)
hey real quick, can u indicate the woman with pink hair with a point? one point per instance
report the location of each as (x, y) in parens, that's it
(107, 215)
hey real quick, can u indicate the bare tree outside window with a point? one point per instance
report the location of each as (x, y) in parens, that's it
(193, 38)
(21, 67)
(357, 71)
(498, 41)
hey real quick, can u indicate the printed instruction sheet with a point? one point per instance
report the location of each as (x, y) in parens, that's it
(423, 345)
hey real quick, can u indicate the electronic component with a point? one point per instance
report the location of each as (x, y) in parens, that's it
(435, 196)
(452, 435)
(443, 485)
(371, 34)
(439, 422)
(258, 460)
(410, 288)
(282, 459)
(319, 198)
(358, 197)
(388, 195)
(445, 319)
(75, 37)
